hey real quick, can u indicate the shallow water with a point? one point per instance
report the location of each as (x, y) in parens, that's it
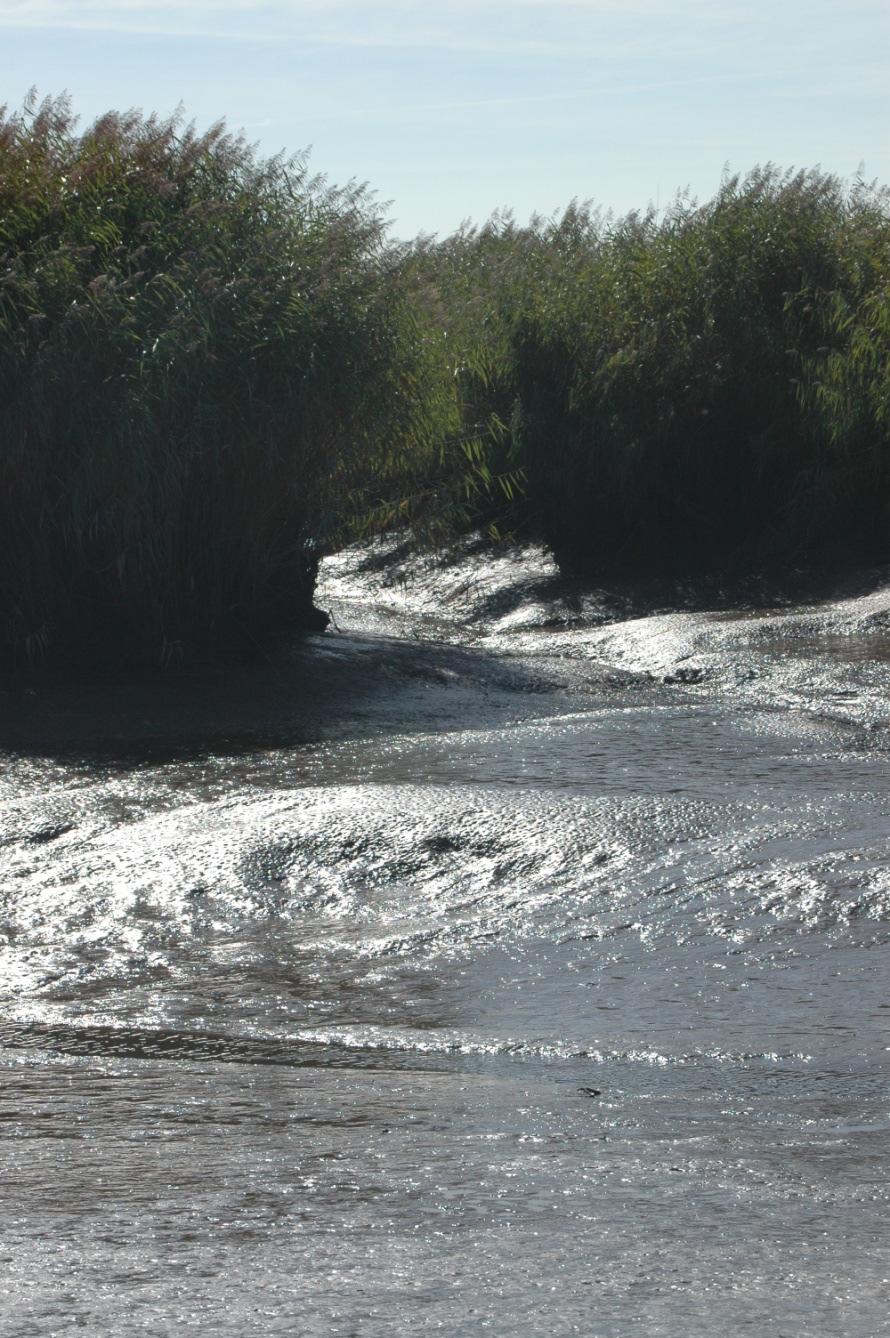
(511, 986)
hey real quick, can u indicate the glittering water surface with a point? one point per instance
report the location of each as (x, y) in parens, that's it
(512, 987)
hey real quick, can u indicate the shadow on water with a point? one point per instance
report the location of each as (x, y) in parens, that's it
(321, 688)
(408, 676)
(99, 1042)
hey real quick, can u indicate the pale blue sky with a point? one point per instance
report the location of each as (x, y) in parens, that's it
(452, 108)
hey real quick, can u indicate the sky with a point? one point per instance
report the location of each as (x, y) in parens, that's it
(451, 109)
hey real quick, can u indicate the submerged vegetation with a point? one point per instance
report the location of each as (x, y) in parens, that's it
(213, 367)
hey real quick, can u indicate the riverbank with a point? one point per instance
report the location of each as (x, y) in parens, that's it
(415, 637)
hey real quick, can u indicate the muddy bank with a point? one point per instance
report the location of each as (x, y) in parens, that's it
(415, 638)
(814, 641)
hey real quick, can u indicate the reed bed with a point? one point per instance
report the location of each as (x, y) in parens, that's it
(215, 367)
(202, 354)
(686, 391)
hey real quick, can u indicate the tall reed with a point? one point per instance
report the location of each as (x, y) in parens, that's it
(201, 353)
(686, 391)
(213, 367)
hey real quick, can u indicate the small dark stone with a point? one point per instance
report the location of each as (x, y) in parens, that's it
(50, 833)
(441, 845)
(692, 674)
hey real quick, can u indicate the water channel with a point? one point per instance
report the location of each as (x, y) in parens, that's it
(508, 959)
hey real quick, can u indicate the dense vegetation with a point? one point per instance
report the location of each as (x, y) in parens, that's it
(201, 357)
(684, 392)
(212, 367)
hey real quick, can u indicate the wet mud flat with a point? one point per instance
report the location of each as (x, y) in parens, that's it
(510, 958)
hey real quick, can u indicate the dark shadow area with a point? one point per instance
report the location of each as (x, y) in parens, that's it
(339, 685)
(611, 597)
(322, 687)
(99, 1042)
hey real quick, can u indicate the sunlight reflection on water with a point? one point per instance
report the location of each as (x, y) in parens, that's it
(575, 1015)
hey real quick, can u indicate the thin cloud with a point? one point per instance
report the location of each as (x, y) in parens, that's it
(158, 22)
(572, 95)
(117, 14)
(26, 12)
(499, 46)
(687, 28)
(164, 18)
